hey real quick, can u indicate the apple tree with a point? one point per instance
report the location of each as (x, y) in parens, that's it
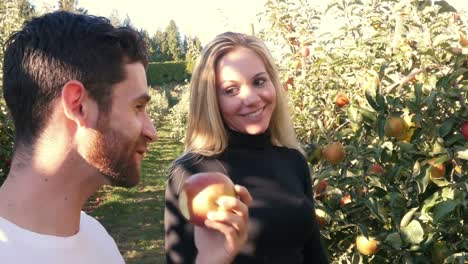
(380, 102)
(12, 15)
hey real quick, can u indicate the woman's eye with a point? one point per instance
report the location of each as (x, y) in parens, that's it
(231, 91)
(259, 81)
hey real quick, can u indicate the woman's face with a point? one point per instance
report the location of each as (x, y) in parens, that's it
(245, 93)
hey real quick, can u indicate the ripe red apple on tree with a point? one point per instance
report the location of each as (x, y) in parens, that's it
(289, 82)
(334, 152)
(437, 169)
(321, 186)
(200, 193)
(463, 40)
(322, 217)
(376, 169)
(320, 190)
(366, 246)
(464, 130)
(395, 127)
(304, 52)
(297, 64)
(345, 200)
(341, 99)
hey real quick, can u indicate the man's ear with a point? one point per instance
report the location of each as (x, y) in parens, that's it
(75, 102)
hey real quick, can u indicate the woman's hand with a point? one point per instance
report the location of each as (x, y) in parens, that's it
(226, 230)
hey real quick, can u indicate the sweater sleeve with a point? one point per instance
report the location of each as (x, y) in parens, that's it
(314, 251)
(179, 236)
(179, 232)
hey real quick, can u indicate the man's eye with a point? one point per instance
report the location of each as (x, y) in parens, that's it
(140, 106)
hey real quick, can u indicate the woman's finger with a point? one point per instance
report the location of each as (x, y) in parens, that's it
(230, 219)
(244, 194)
(228, 203)
(233, 238)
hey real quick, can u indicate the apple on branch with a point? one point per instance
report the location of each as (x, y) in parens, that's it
(200, 194)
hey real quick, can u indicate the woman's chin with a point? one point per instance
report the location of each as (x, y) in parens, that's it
(255, 129)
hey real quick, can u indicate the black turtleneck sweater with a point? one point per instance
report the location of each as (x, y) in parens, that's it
(282, 227)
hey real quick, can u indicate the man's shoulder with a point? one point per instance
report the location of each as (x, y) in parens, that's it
(92, 229)
(91, 224)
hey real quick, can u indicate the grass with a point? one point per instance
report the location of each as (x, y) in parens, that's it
(135, 217)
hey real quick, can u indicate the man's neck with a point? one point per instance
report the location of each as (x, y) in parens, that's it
(48, 204)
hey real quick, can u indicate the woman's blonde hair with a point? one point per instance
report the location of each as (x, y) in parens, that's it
(206, 133)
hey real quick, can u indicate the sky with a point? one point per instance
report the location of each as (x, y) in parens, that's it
(204, 18)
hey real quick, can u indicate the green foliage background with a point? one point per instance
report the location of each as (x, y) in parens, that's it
(159, 73)
(391, 58)
(12, 15)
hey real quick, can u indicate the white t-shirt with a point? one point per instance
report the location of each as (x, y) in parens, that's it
(91, 245)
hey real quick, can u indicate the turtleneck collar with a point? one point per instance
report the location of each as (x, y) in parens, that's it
(241, 140)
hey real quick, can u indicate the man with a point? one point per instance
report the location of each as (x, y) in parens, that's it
(76, 89)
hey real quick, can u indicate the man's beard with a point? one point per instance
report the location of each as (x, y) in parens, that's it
(112, 154)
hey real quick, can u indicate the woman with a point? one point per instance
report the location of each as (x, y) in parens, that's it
(239, 125)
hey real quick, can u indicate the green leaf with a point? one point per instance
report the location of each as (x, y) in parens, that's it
(381, 101)
(363, 230)
(441, 159)
(441, 182)
(461, 257)
(373, 206)
(443, 209)
(371, 102)
(413, 233)
(457, 73)
(375, 181)
(408, 216)
(462, 154)
(353, 115)
(406, 147)
(416, 169)
(381, 126)
(367, 115)
(448, 193)
(418, 92)
(394, 240)
(454, 139)
(446, 127)
(428, 204)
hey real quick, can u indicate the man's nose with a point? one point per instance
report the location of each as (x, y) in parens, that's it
(149, 131)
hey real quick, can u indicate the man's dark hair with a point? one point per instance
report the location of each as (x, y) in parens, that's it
(55, 48)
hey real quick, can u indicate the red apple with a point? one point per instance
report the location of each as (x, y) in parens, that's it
(464, 130)
(320, 190)
(334, 152)
(376, 169)
(463, 40)
(289, 82)
(345, 200)
(437, 169)
(341, 99)
(321, 186)
(297, 64)
(304, 52)
(322, 217)
(366, 246)
(200, 193)
(395, 127)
